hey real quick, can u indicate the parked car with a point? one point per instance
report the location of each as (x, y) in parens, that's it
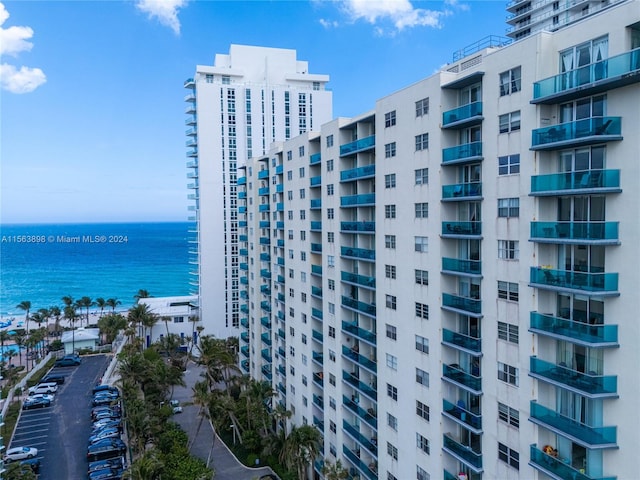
(106, 423)
(105, 388)
(107, 448)
(115, 462)
(38, 402)
(68, 361)
(53, 378)
(32, 463)
(43, 388)
(106, 414)
(101, 401)
(104, 433)
(175, 406)
(20, 453)
(106, 474)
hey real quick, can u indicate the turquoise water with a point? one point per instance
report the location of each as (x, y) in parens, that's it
(43, 263)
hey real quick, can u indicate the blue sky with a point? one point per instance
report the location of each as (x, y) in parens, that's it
(91, 101)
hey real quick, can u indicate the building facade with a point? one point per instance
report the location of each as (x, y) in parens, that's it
(444, 285)
(236, 108)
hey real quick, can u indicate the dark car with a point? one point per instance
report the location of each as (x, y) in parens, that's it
(106, 474)
(105, 388)
(115, 462)
(107, 448)
(68, 361)
(106, 423)
(33, 463)
(53, 378)
(103, 400)
(37, 402)
(104, 433)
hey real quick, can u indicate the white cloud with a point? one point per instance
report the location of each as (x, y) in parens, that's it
(13, 40)
(328, 23)
(166, 11)
(401, 13)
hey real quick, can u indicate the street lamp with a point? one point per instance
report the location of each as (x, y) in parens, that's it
(233, 429)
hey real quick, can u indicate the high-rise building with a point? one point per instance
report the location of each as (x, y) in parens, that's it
(446, 285)
(235, 109)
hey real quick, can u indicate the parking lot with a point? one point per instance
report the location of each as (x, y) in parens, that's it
(60, 431)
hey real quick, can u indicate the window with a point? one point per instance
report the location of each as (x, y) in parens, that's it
(390, 181)
(422, 344)
(509, 249)
(509, 456)
(303, 235)
(332, 308)
(302, 193)
(332, 332)
(422, 443)
(392, 451)
(330, 213)
(509, 164)
(421, 473)
(389, 241)
(422, 310)
(392, 332)
(331, 260)
(422, 142)
(508, 415)
(422, 210)
(303, 256)
(303, 297)
(301, 151)
(508, 374)
(509, 122)
(389, 211)
(508, 332)
(332, 355)
(390, 119)
(331, 236)
(301, 172)
(330, 165)
(332, 426)
(422, 410)
(422, 107)
(422, 277)
(330, 189)
(332, 379)
(390, 150)
(329, 141)
(508, 207)
(332, 284)
(508, 291)
(392, 421)
(332, 403)
(290, 175)
(302, 215)
(390, 271)
(510, 81)
(390, 302)
(290, 194)
(392, 361)
(422, 377)
(421, 244)
(289, 156)
(422, 176)
(392, 392)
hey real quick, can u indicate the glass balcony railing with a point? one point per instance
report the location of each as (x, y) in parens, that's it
(281, 334)
(316, 269)
(359, 332)
(463, 452)
(581, 132)
(369, 415)
(462, 153)
(266, 371)
(264, 223)
(355, 382)
(461, 229)
(280, 241)
(576, 182)
(242, 209)
(243, 266)
(582, 281)
(469, 475)
(245, 350)
(263, 174)
(280, 314)
(316, 291)
(265, 322)
(279, 188)
(575, 232)
(279, 170)
(362, 307)
(556, 467)
(362, 280)
(318, 423)
(264, 207)
(461, 191)
(595, 437)
(592, 385)
(315, 203)
(361, 200)
(245, 365)
(456, 374)
(315, 181)
(462, 116)
(358, 358)
(317, 357)
(316, 226)
(265, 257)
(358, 227)
(369, 471)
(318, 378)
(316, 247)
(263, 191)
(266, 338)
(315, 159)
(265, 241)
(244, 336)
(316, 313)
(280, 261)
(574, 331)
(461, 340)
(282, 353)
(467, 304)
(359, 253)
(245, 281)
(244, 321)
(316, 335)
(265, 273)
(282, 388)
(360, 145)
(281, 370)
(266, 354)
(459, 265)
(612, 70)
(243, 238)
(367, 442)
(280, 279)
(265, 305)
(461, 414)
(360, 173)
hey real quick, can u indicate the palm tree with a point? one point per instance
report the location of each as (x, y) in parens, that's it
(334, 471)
(201, 397)
(71, 315)
(113, 303)
(4, 336)
(147, 467)
(301, 448)
(101, 303)
(110, 325)
(138, 315)
(141, 294)
(25, 306)
(85, 302)
(55, 312)
(67, 300)
(148, 322)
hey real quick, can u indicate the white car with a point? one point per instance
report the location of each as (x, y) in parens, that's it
(45, 396)
(175, 405)
(20, 453)
(43, 388)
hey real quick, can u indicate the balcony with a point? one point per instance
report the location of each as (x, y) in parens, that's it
(460, 414)
(243, 266)
(265, 257)
(360, 173)
(461, 341)
(614, 72)
(463, 117)
(316, 292)
(368, 391)
(469, 152)
(362, 145)
(462, 192)
(264, 223)
(245, 351)
(464, 453)
(245, 281)
(369, 415)
(280, 279)
(316, 226)
(242, 180)
(581, 333)
(316, 248)
(263, 191)
(575, 134)
(459, 266)
(283, 354)
(266, 338)
(245, 365)
(592, 386)
(316, 313)
(265, 322)
(361, 360)
(189, 83)
(265, 273)
(362, 200)
(317, 336)
(266, 371)
(263, 174)
(592, 233)
(317, 357)
(358, 253)
(600, 284)
(369, 471)
(244, 322)
(359, 306)
(359, 280)
(464, 305)
(244, 336)
(315, 203)
(318, 379)
(265, 241)
(471, 230)
(353, 329)
(369, 443)
(266, 354)
(265, 305)
(282, 388)
(456, 375)
(281, 334)
(243, 238)
(558, 468)
(280, 208)
(318, 423)
(191, 120)
(279, 170)
(576, 183)
(358, 227)
(589, 437)
(315, 158)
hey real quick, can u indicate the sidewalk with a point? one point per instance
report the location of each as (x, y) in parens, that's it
(221, 459)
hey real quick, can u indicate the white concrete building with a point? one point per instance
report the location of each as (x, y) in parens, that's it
(176, 315)
(236, 109)
(444, 285)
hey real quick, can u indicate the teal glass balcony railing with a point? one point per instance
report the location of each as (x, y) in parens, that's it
(280, 241)
(316, 335)
(279, 169)
(266, 354)
(461, 414)
(280, 314)
(242, 195)
(282, 388)
(280, 261)
(359, 253)
(595, 437)
(576, 183)
(359, 359)
(263, 191)
(318, 423)
(462, 116)
(281, 370)
(316, 291)
(459, 265)
(361, 307)
(281, 334)
(359, 173)
(245, 365)
(316, 269)
(279, 207)
(573, 331)
(316, 247)
(559, 467)
(244, 336)
(242, 209)
(266, 338)
(265, 257)
(362, 280)
(603, 283)
(369, 415)
(262, 174)
(593, 78)
(362, 200)
(191, 120)
(316, 203)
(363, 440)
(462, 153)
(265, 322)
(244, 308)
(265, 305)
(466, 304)
(461, 340)
(361, 145)
(461, 191)
(362, 387)
(593, 386)
(358, 227)
(244, 252)
(317, 357)
(280, 279)
(243, 238)
(244, 266)
(242, 180)
(266, 371)
(282, 353)
(279, 188)
(245, 350)
(318, 378)
(265, 241)
(575, 232)
(264, 223)
(245, 281)
(581, 132)
(316, 226)
(315, 158)
(317, 313)
(470, 475)
(361, 333)
(244, 295)
(264, 273)
(315, 181)
(369, 471)
(280, 296)
(244, 321)
(461, 229)
(454, 373)
(463, 452)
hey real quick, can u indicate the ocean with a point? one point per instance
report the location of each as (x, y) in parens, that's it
(43, 263)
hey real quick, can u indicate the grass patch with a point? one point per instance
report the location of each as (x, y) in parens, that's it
(10, 420)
